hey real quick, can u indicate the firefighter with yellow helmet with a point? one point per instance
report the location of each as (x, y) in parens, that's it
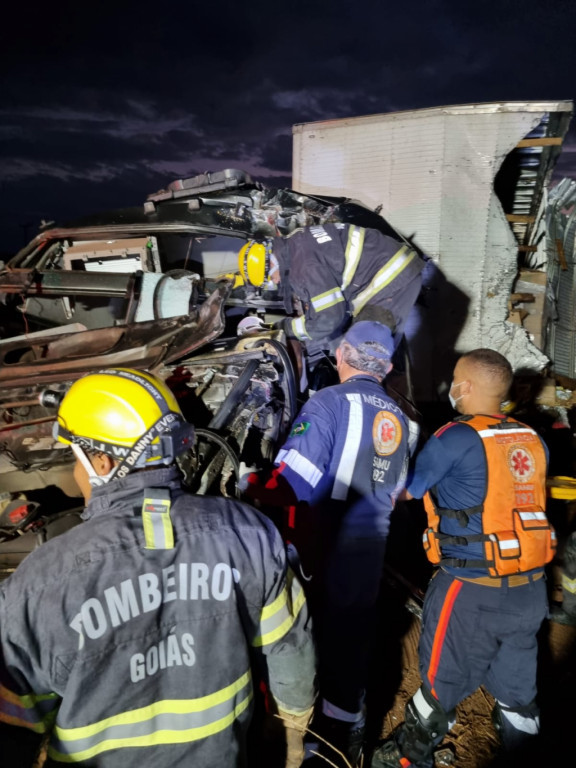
(337, 272)
(254, 263)
(130, 639)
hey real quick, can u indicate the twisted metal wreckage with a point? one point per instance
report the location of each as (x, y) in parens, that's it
(142, 288)
(152, 288)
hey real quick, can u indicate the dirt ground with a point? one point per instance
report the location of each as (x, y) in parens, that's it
(472, 739)
(472, 743)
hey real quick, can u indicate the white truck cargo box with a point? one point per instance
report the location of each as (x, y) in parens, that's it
(432, 174)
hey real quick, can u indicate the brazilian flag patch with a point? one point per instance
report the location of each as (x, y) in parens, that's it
(300, 429)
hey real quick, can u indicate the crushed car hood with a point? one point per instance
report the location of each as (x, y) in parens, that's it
(139, 345)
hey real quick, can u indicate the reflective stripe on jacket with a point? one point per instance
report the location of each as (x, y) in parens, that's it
(337, 269)
(133, 654)
(347, 454)
(28, 711)
(516, 535)
(166, 722)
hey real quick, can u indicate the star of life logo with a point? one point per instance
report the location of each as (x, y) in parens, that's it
(521, 463)
(386, 433)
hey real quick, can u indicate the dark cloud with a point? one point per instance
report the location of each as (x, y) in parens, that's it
(104, 102)
(277, 154)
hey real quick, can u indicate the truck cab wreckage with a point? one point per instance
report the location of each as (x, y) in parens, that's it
(152, 287)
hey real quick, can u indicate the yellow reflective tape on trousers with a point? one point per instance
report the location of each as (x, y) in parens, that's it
(352, 255)
(278, 617)
(28, 711)
(173, 721)
(384, 277)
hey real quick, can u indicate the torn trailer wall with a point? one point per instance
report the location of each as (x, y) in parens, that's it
(434, 174)
(561, 246)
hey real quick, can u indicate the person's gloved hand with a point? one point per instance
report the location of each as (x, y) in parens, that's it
(243, 474)
(251, 325)
(295, 730)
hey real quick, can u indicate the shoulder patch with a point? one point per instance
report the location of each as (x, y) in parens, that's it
(300, 429)
(386, 433)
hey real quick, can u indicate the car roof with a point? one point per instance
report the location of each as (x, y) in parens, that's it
(225, 203)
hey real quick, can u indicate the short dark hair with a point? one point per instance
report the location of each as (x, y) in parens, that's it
(492, 363)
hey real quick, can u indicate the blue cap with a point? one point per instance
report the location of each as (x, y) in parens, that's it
(371, 338)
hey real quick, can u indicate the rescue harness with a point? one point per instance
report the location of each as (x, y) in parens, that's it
(516, 534)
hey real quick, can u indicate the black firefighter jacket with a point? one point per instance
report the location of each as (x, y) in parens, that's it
(135, 656)
(336, 270)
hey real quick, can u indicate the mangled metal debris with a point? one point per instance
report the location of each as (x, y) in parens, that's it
(561, 248)
(148, 288)
(151, 287)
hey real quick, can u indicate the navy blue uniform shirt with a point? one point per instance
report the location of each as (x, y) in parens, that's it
(348, 452)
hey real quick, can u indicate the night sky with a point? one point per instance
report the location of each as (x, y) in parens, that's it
(103, 103)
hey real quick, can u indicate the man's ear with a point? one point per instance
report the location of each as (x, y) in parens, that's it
(389, 369)
(103, 464)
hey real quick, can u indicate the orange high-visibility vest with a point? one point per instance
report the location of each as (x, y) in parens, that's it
(516, 534)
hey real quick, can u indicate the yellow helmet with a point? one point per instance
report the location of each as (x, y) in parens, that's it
(254, 262)
(124, 413)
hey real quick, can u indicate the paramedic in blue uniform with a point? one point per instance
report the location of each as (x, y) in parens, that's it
(129, 640)
(342, 467)
(489, 534)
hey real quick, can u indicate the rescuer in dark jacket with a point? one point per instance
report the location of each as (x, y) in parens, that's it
(130, 639)
(484, 476)
(342, 468)
(336, 271)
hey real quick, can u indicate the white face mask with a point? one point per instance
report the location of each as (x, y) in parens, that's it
(454, 400)
(97, 480)
(94, 478)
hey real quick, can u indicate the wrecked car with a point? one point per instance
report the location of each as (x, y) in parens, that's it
(153, 287)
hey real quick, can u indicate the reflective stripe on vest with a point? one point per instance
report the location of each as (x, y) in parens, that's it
(353, 253)
(509, 544)
(526, 516)
(494, 432)
(28, 711)
(384, 277)
(516, 534)
(349, 454)
(171, 721)
(278, 617)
